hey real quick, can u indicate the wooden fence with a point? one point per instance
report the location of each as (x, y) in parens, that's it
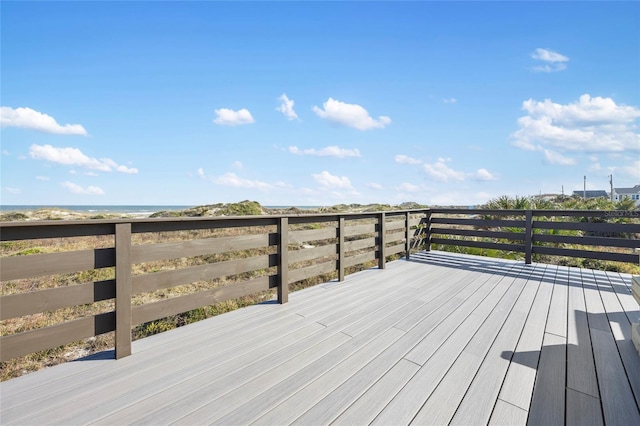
(261, 253)
(590, 234)
(272, 251)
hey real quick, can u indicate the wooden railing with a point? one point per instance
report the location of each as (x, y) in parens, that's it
(253, 254)
(259, 252)
(590, 234)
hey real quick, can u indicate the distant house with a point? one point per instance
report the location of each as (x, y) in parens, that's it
(591, 194)
(632, 193)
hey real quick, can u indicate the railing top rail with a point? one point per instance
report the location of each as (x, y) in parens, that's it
(266, 218)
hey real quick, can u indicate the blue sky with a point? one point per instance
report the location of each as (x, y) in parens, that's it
(305, 103)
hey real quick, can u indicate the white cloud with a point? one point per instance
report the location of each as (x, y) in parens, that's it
(351, 115)
(237, 165)
(408, 187)
(231, 179)
(74, 157)
(375, 186)
(12, 190)
(330, 151)
(548, 55)
(441, 172)
(450, 100)
(588, 125)
(328, 180)
(553, 157)
(632, 171)
(484, 174)
(91, 174)
(286, 107)
(229, 117)
(28, 118)
(554, 61)
(405, 159)
(595, 167)
(43, 178)
(77, 189)
(201, 173)
(5, 152)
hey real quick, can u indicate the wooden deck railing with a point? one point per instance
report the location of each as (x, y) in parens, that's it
(259, 253)
(540, 232)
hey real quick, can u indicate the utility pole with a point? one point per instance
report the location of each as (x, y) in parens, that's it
(584, 189)
(611, 183)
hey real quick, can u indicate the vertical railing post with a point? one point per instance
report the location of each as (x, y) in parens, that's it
(528, 236)
(382, 261)
(407, 244)
(283, 260)
(428, 230)
(123, 290)
(341, 249)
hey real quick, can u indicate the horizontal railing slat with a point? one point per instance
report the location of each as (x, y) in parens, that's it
(362, 244)
(301, 255)
(31, 341)
(50, 299)
(306, 235)
(151, 252)
(490, 223)
(478, 233)
(627, 228)
(13, 231)
(165, 279)
(588, 254)
(312, 271)
(479, 244)
(199, 223)
(360, 258)
(36, 265)
(352, 230)
(395, 236)
(396, 224)
(587, 241)
(164, 308)
(391, 250)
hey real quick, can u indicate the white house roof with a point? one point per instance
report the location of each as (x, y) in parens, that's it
(633, 190)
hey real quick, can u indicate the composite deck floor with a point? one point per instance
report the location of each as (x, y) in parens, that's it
(439, 339)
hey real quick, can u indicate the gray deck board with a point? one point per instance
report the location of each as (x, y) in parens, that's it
(517, 387)
(442, 338)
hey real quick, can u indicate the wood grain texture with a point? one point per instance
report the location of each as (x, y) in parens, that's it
(548, 403)
(151, 252)
(16, 305)
(301, 255)
(171, 278)
(312, 271)
(353, 230)
(312, 235)
(15, 345)
(505, 414)
(123, 290)
(361, 244)
(36, 265)
(164, 308)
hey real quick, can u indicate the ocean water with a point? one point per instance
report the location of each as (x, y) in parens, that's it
(131, 210)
